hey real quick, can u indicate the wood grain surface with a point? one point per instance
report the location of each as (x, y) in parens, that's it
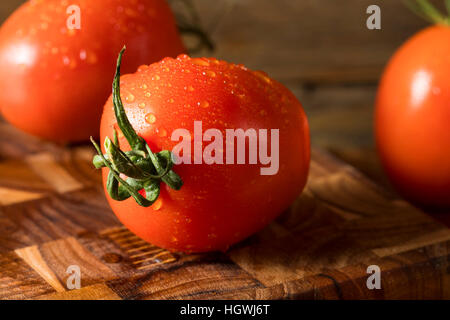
(320, 248)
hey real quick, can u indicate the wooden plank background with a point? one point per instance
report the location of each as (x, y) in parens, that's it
(317, 249)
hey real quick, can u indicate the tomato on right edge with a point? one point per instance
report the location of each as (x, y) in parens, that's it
(412, 119)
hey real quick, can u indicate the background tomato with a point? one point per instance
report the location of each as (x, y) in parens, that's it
(55, 81)
(413, 118)
(218, 204)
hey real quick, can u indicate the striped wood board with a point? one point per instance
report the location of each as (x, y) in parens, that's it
(53, 215)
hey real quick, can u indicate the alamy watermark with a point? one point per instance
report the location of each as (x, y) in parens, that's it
(74, 280)
(230, 149)
(374, 20)
(74, 19)
(374, 280)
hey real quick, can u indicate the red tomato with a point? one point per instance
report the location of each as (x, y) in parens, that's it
(219, 204)
(413, 118)
(55, 80)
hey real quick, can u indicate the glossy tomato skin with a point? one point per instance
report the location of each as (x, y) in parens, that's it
(55, 81)
(218, 204)
(413, 118)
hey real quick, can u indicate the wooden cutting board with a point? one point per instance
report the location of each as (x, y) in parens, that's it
(53, 215)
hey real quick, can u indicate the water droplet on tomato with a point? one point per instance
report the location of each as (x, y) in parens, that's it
(241, 66)
(182, 57)
(211, 74)
(66, 60)
(150, 118)
(200, 62)
(148, 94)
(203, 104)
(142, 68)
(142, 105)
(161, 132)
(83, 55)
(263, 76)
(157, 204)
(130, 97)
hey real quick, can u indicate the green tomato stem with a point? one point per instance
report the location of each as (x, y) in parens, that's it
(144, 169)
(427, 11)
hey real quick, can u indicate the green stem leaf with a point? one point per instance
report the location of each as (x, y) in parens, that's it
(133, 192)
(427, 11)
(144, 170)
(135, 141)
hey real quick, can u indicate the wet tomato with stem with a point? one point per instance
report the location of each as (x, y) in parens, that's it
(205, 206)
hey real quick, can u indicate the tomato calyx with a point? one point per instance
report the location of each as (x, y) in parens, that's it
(427, 11)
(144, 170)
